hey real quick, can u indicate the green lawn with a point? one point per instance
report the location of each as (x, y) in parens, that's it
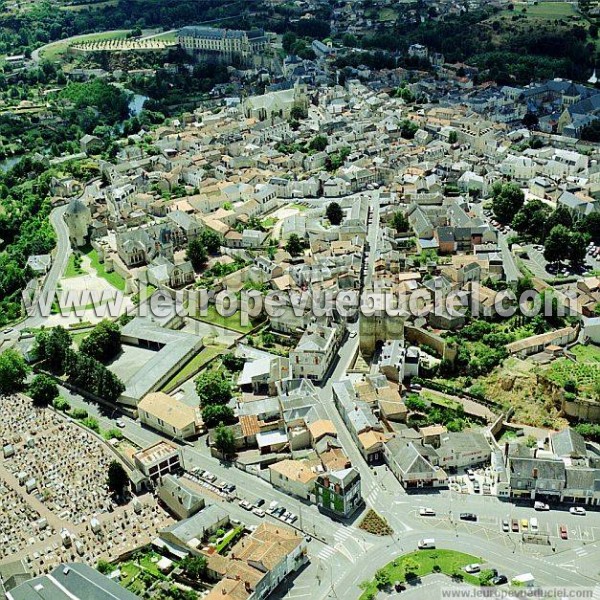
(299, 207)
(440, 400)
(230, 536)
(193, 366)
(54, 50)
(448, 561)
(587, 354)
(113, 278)
(233, 322)
(72, 269)
(544, 10)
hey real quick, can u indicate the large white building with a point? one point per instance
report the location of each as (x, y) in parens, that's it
(223, 44)
(314, 353)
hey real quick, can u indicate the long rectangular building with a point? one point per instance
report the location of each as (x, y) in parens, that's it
(224, 44)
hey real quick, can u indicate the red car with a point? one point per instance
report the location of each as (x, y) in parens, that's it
(564, 534)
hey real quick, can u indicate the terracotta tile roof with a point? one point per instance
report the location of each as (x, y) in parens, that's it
(249, 425)
(322, 427)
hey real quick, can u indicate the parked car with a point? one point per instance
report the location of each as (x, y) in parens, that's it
(540, 506)
(259, 512)
(577, 510)
(515, 525)
(533, 524)
(245, 504)
(260, 502)
(472, 568)
(120, 424)
(427, 512)
(505, 526)
(468, 517)
(471, 474)
(499, 580)
(564, 533)
(524, 524)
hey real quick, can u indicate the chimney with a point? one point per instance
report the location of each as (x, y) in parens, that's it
(535, 473)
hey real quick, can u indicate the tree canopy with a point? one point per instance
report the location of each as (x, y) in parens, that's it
(117, 478)
(224, 440)
(294, 245)
(104, 341)
(13, 372)
(43, 390)
(507, 201)
(334, 213)
(196, 253)
(213, 388)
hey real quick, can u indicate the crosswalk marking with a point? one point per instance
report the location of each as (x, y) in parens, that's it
(581, 551)
(326, 552)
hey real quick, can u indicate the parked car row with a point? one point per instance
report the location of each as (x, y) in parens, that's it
(281, 513)
(209, 481)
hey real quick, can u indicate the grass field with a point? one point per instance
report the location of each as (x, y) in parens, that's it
(72, 270)
(233, 322)
(113, 278)
(54, 50)
(588, 354)
(193, 366)
(544, 10)
(423, 562)
(585, 375)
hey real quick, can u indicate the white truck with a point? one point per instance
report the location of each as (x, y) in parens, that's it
(426, 544)
(525, 580)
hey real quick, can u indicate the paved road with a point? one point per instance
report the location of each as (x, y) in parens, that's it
(511, 270)
(57, 270)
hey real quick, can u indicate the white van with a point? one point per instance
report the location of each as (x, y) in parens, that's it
(427, 544)
(533, 524)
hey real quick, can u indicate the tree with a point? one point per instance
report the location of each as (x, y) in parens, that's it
(213, 388)
(557, 244)
(117, 478)
(196, 254)
(577, 248)
(411, 567)
(413, 402)
(194, 566)
(452, 137)
(224, 440)
(400, 222)
(294, 245)
(530, 120)
(408, 129)
(334, 213)
(213, 414)
(297, 113)
(43, 390)
(212, 241)
(52, 347)
(590, 224)
(507, 201)
(104, 567)
(13, 372)
(382, 579)
(104, 341)
(318, 143)
(531, 219)
(560, 216)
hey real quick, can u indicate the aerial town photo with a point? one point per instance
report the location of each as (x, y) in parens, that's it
(299, 299)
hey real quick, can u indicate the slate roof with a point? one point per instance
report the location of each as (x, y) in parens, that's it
(568, 443)
(74, 581)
